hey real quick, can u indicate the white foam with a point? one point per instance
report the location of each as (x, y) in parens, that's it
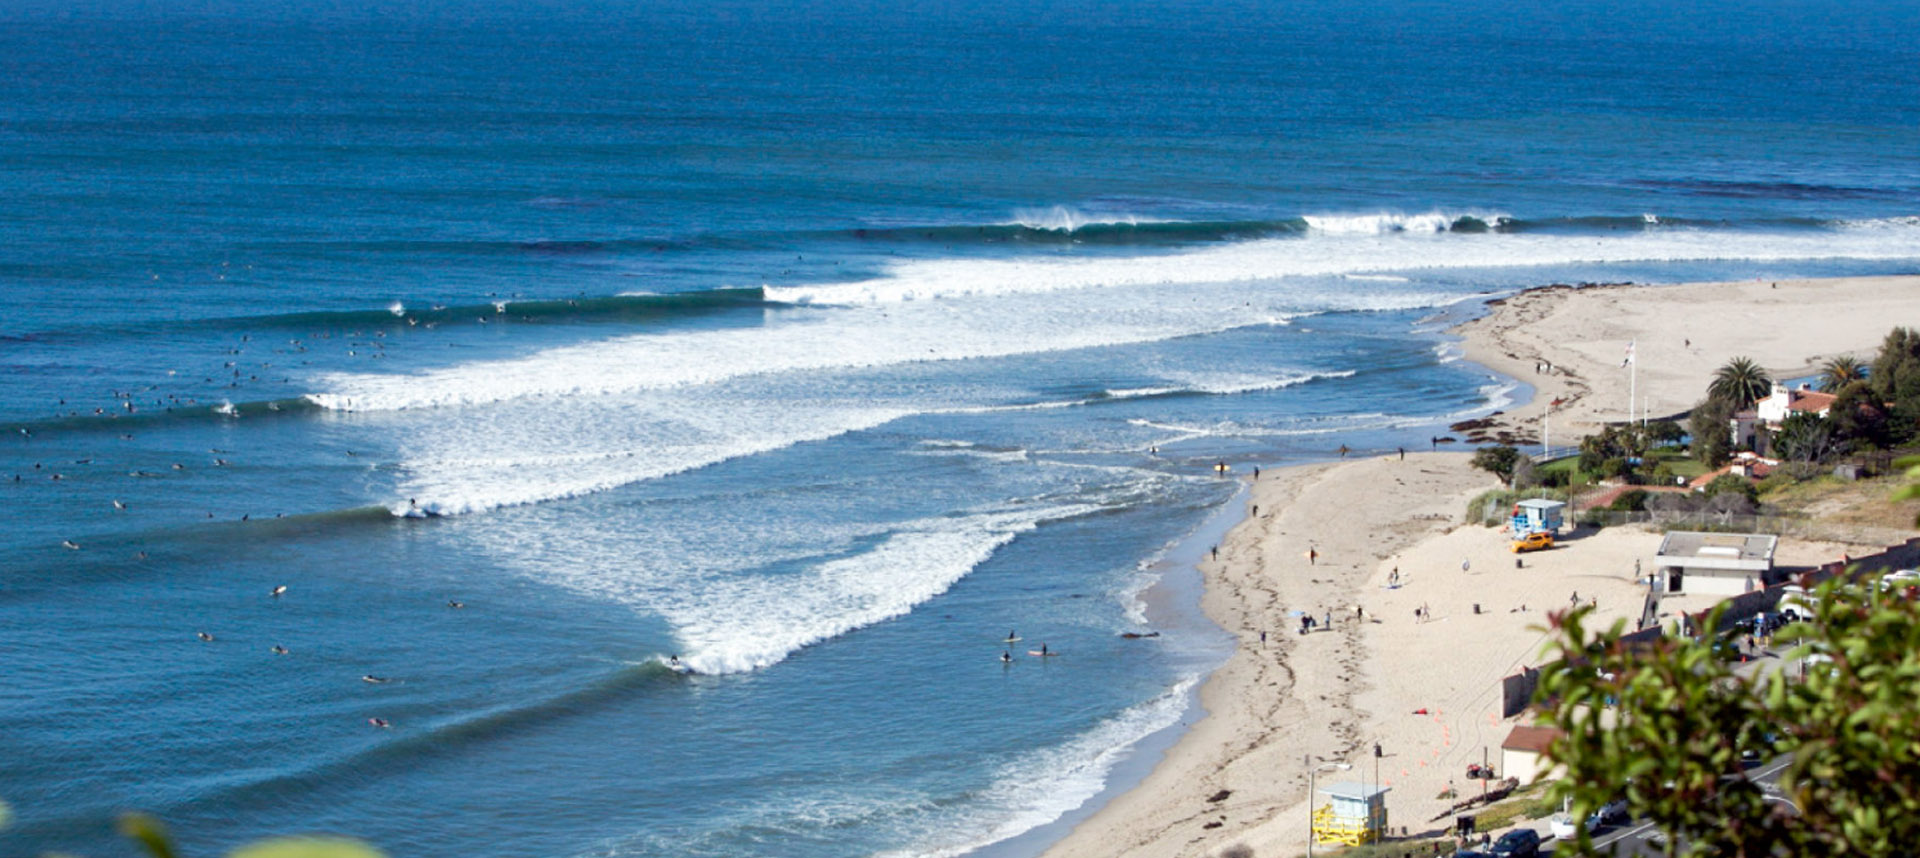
(397, 308)
(523, 453)
(742, 623)
(1386, 222)
(1046, 784)
(1064, 219)
(1358, 244)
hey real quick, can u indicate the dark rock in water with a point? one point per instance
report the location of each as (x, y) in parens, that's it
(1446, 439)
(1137, 635)
(1471, 425)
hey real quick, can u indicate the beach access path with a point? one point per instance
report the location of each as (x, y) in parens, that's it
(1291, 703)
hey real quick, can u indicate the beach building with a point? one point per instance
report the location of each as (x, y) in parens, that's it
(1534, 515)
(1721, 564)
(1523, 751)
(1744, 464)
(1356, 814)
(1783, 402)
(1752, 426)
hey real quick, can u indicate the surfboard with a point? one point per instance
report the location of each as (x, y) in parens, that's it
(1014, 639)
(1047, 654)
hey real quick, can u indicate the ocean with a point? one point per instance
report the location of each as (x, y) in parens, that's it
(659, 415)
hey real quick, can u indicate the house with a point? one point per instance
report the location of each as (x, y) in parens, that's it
(1726, 564)
(1774, 410)
(1752, 426)
(1744, 464)
(1524, 750)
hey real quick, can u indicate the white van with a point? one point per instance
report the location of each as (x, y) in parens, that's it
(1796, 604)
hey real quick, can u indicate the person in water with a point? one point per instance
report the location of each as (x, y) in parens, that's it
(1006, 658)
(1043, 649)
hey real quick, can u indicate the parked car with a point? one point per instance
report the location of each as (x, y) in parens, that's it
(1796, 605)
(1518, 843)
(1561, 826)
(1538, 540)
(1611, 813)
(1902, 582)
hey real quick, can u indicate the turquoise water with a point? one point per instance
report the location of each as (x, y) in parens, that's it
(817, 346)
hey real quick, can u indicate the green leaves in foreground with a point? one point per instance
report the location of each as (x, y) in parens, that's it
(313, 847)
(150, 834)
(1664, 726)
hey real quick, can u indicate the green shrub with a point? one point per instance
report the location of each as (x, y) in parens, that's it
(1630, 501)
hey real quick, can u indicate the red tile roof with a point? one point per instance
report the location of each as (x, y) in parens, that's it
(1535, 739)
(1809, 401)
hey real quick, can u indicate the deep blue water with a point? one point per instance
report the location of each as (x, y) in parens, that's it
(815, 344)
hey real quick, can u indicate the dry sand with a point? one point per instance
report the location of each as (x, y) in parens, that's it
(1291, 703)
(1681, 334)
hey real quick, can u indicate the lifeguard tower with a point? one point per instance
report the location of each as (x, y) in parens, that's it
(1357, 814)
(1537, 514)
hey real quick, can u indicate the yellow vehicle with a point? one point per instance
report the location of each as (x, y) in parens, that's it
(1536, 541)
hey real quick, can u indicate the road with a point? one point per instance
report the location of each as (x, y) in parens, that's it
(1643, 838)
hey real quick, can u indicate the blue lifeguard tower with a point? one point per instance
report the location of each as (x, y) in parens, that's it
(1357, 814)
(1534, 515)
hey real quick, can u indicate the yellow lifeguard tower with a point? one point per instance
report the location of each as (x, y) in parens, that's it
(1357, 814)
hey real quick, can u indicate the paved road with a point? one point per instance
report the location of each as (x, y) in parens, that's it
(1642, 838)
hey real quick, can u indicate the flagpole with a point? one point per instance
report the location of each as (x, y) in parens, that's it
(1633, 379)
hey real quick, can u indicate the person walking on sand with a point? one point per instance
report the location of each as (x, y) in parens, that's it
(1329, 619)
(1313, 556)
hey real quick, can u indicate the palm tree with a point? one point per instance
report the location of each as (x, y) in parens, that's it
(1840, 372)
(1740, 383)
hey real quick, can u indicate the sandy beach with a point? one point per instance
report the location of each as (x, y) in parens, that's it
(1327, 541)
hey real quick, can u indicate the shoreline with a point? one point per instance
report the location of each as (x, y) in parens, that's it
(1238, 775)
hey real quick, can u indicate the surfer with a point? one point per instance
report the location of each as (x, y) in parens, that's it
(70, 545)
(373, 679)
(382, 723)
(1012, 635)
(452, 603)
(279, 650)
(277, 590)
(673, 661)
(1006, 658)
(203, 636)
(1043, 649)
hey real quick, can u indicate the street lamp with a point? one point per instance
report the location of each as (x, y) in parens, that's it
(1312, 777)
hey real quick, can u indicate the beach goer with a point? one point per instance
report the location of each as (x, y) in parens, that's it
(1329, 618)
(1313, 556)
